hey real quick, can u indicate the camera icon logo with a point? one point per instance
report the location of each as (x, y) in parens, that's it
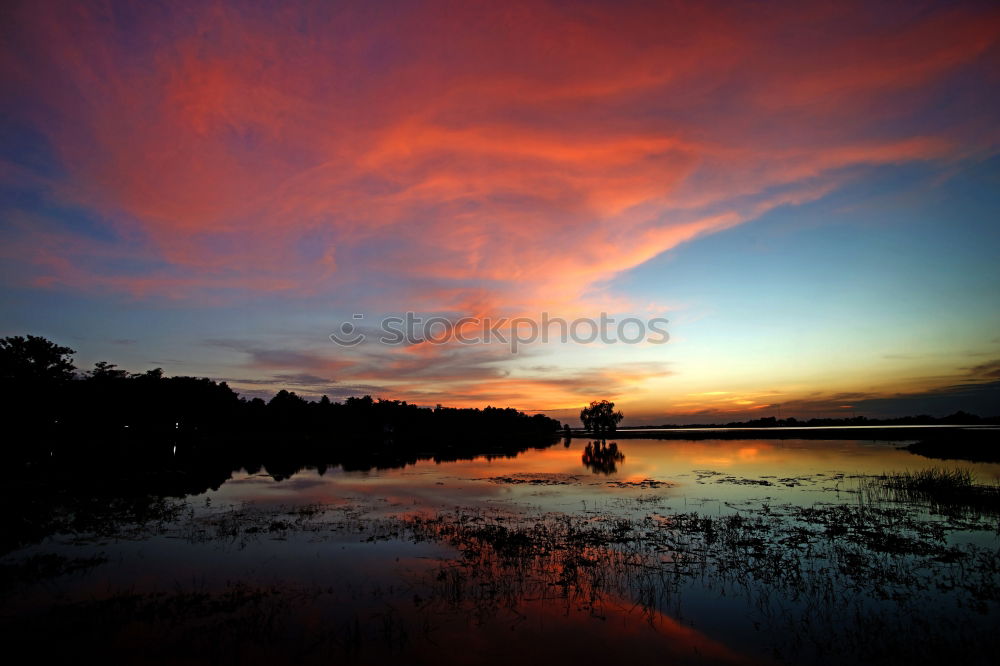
(349, 335)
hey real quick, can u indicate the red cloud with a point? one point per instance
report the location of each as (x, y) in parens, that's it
(506, 156)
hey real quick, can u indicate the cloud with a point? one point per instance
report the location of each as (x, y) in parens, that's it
(981, 398)
(269, 357)
(988, 370)
(531, 390)
(472, 158)
(428, 374)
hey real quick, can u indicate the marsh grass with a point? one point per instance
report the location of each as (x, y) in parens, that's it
(822, 584)
(827, 582)
(41, 567)
(943, 490)
(873, 581)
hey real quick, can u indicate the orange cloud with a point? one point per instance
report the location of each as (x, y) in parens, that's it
(541, 149)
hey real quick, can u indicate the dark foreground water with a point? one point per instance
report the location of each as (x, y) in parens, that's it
(645, 551)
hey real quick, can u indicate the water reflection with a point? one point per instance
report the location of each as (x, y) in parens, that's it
(716, 471)
(836, 584)
(602, 458)
(711, 551)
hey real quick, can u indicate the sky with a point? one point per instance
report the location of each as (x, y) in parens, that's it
(807, 193)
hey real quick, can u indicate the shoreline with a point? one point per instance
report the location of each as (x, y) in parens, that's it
(973, 433)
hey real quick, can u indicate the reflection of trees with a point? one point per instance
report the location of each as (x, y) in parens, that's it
(102, 485)
(602, 458)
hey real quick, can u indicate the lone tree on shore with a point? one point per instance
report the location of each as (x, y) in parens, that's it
(600, 416)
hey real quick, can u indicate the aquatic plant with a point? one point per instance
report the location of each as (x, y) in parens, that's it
(943, 490)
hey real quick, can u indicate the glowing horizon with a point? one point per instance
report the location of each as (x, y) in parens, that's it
(808, 193)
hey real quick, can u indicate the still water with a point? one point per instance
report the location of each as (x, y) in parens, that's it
(559, 478)
(709, 551)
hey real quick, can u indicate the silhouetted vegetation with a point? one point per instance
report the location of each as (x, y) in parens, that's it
(107, 446)
(34, 376)
(943, 490)
(51, 403)
(985, 448)
(600, 416)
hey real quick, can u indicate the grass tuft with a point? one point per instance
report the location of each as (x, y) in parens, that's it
(945, 490)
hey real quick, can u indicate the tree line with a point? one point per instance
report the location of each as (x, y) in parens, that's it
(45, 395)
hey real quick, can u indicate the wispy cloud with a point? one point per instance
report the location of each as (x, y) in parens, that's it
(490, 160)
(988, 370)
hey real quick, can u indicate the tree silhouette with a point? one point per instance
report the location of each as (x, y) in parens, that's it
(34, 374)
(109, 406)
(34, 361)
(601, 416)
(104, 371)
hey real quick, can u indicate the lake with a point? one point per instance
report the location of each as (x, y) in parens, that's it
(707, 551)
